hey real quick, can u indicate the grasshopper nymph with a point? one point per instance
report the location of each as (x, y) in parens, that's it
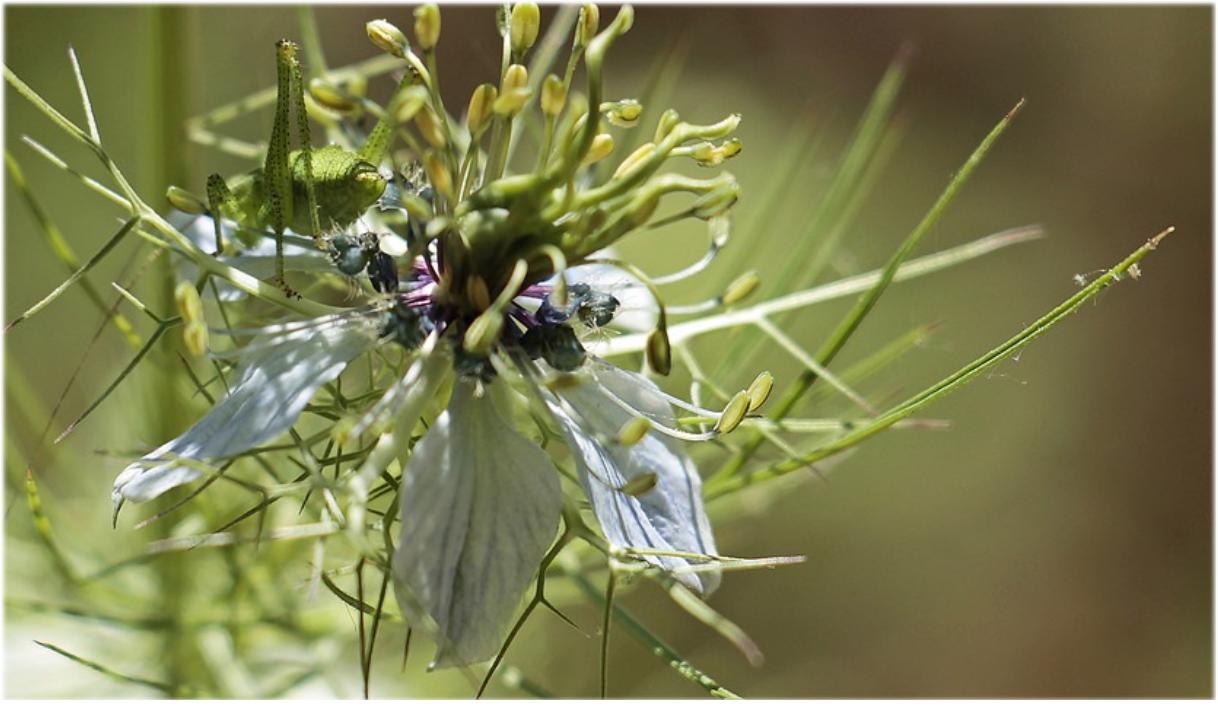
(310, 192)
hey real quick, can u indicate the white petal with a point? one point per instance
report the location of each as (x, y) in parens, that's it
(273, 387)
(480, 507)
(670, 516)
(257, 260)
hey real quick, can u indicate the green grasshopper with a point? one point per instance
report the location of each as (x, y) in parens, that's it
(304, 190)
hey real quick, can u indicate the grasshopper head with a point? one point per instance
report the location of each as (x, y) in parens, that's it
(368, 184)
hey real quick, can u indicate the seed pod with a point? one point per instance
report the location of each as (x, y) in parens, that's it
(759, 390)
(182, 200)
(733, 413)
(427, 26)
(481, 108)
(659, 353)
(388, 38)
(525, 24)
(553, 95)
(741, 287)
(633, 431)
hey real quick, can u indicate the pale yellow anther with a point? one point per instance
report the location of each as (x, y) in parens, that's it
(553, 95)
(525, 24)
(388, 38)
(512, 102)
(194, 336)
(429, 127)
(477, 293)
(183, 200)
(759, 390)
(733, 413)
(668, 120)
(624, 113)
(439, 174)
(634, 160)
(409, 103)
(483, 332)
(640, 484)
(481, 108)
(589, 23)
(514, 91)
(427, 26)
(659, 352)
(633, 431)
(190, 307)
(516, 77)
(741, 287)
(602, 146)
(328, 96)
(717, 201)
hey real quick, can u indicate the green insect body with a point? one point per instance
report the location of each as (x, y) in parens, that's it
(308, 191)
(344, 187)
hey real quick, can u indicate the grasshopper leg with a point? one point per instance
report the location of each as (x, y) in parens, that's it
(306, 143)
(276, 169)
(219, 200)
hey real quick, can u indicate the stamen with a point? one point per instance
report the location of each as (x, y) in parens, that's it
(719, 230)
(656, 424)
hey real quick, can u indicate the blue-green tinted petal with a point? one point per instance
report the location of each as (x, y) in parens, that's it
(480, 506)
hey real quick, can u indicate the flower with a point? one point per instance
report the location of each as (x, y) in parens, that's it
(472, 291)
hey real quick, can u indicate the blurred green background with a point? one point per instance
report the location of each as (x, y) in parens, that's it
(1055, 542)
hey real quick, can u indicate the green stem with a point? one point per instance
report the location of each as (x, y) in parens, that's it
(847, 327)
(726, 485)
